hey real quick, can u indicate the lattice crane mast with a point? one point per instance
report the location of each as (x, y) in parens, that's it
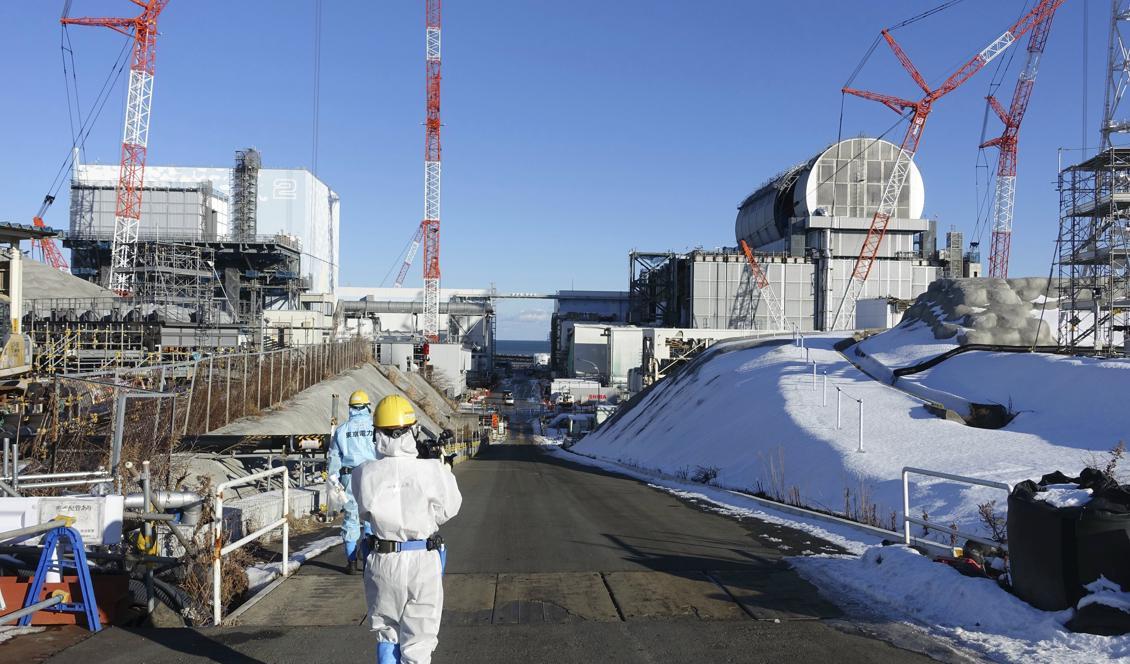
(757, 275)
(429, 227)
(51, 254)
(135, 134)
(918, 112)
(1004, 196)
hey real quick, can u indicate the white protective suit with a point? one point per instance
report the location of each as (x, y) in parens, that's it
(405, 498)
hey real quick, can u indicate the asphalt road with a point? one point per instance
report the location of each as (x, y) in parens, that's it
(552, 561)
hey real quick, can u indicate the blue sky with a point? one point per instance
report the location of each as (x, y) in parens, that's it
(574, 131)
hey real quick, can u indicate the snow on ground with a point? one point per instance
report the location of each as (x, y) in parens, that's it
(905, 586)
(546, 436)
(901, 584)
(898, 584)
(753, 412)
(1054, 396)
(1106, 592)
(258, 576)
(906, 345)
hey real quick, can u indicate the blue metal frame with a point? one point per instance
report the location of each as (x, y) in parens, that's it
(48, 563)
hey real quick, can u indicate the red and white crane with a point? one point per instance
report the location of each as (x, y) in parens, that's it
(919, 111)
(135, 134)
(429, 227)
(1008, 142)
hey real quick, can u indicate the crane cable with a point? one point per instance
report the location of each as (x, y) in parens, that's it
(904, 117)
(67, 50)
(926, 14)
(401, 257)
(94, 113)
(317, 82)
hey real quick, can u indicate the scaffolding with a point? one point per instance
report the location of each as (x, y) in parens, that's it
(178, 280)
(1093, 254)
(245, 193)
(653, 289)
(174, 312)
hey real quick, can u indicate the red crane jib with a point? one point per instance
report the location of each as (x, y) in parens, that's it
(921, 109)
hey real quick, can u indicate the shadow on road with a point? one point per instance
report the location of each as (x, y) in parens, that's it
(193, 643)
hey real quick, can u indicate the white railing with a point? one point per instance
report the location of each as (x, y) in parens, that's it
(907, 519)
(219, 550)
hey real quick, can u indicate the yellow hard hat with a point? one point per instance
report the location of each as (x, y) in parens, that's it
(359, 398)
(394, 412)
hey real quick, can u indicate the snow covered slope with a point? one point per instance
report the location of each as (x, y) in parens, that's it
(752, 411)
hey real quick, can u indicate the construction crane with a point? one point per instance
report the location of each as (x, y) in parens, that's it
(917, 112)
(1005, 194)
(51, 254)
(1117, 73)
(408, 257)
(429, 227)
(135, 134)
(762, 282)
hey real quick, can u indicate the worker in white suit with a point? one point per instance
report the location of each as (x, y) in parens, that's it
(404, 499)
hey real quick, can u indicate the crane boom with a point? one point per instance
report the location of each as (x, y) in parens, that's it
(135, 134)
(918, 112)
(762, 283)
(1004, 196)
(409, 257)
(51, 254)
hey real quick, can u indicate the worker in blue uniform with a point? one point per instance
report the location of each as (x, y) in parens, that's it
(352, 446)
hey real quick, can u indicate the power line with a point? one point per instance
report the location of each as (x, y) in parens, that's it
(317, 82)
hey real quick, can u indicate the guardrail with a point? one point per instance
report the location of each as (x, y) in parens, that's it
(907, 519)
(219, 550)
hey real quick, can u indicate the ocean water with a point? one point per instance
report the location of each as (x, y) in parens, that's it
(520, 346)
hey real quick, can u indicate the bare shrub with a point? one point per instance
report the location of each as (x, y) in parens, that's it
(705, 474)
(773, 467)
(859, 506)
(994, 522)
(1110, 469)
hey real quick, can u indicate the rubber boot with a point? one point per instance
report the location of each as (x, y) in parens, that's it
(350, 557)
(365, 550)
(388, 652)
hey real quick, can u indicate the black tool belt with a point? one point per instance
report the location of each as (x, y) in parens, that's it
(433, 543)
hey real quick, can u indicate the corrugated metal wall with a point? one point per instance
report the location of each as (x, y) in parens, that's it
(722, 297)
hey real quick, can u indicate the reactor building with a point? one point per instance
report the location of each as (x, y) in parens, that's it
(806, 227)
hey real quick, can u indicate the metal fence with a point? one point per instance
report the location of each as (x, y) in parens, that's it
(952, 531)
(98, 419)
(220, 549)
